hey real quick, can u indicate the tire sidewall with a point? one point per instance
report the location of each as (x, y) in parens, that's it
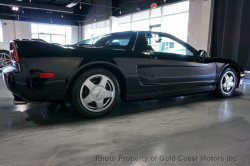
(220, 91)
(78, 84)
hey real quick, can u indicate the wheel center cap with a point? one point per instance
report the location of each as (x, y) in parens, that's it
(98, 93)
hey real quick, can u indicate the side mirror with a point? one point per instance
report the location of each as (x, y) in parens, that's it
(203, 54)
(148, 48)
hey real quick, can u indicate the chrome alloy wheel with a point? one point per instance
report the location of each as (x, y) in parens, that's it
(97, 93)
(228, 82)
(4, 59)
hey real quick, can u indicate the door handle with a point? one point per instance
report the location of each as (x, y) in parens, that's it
(146, 52)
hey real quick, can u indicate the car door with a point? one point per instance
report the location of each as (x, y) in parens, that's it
(175, 67)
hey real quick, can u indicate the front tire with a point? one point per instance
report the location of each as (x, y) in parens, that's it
(227, 83)
(95, 93)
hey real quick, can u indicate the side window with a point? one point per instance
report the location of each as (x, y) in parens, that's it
(113, 40)
(167, 45)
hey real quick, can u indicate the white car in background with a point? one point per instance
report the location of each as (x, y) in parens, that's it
(4, 54)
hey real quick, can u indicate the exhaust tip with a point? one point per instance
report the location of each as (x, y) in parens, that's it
(15, 102)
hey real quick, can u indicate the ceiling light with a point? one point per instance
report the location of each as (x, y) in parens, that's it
(80, 6)
(62, 15)
(71, 5)
(18, 17)
(120, 11)
(15, 8)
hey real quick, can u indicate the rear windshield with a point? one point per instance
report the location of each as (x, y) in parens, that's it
(118, 39)
(121, 40)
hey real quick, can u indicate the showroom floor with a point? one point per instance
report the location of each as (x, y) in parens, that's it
(211, 130)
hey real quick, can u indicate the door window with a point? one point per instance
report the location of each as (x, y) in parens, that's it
(164, 44)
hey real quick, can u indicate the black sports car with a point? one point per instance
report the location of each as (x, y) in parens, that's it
(130, 66)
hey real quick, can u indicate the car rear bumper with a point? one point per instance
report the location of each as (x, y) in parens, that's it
(17, 81)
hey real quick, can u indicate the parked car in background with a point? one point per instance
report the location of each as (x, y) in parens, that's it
(130, 66)
(4, 54)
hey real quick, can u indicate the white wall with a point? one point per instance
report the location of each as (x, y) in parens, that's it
(8, 30)
(16, 30)
(199, 24)
(23, 30)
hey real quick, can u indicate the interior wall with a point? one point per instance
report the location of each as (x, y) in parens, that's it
(199, 24)
(22, 29)
(8, 30)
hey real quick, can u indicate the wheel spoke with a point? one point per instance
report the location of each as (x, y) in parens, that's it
(224, 85)
(103, 82)
(99, 104)
(109, 94)
(89, 84)
(232, 84)
(231, 78)
(88, 99)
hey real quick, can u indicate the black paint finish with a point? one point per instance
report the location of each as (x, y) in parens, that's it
(142, 74)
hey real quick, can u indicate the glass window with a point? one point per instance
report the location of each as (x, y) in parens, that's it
(140, 25)
(34, 35)
(124, 27)
(124, 19)
(178, 28)
(52, 33)
(100, 31)
(113, 40)
(155, 21)
(164, 44)
(96, 29)
(93, 25)
(176, 8)
(93, 32)
(107, 30)
(87, 31)
(156, 12)
(34, 28)
(107, 23)
(141, 15)
(100, 24)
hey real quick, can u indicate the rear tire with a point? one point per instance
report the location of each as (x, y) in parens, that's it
(227, 83)
(95, 92)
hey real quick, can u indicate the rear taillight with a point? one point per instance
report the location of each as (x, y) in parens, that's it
(13, 52)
